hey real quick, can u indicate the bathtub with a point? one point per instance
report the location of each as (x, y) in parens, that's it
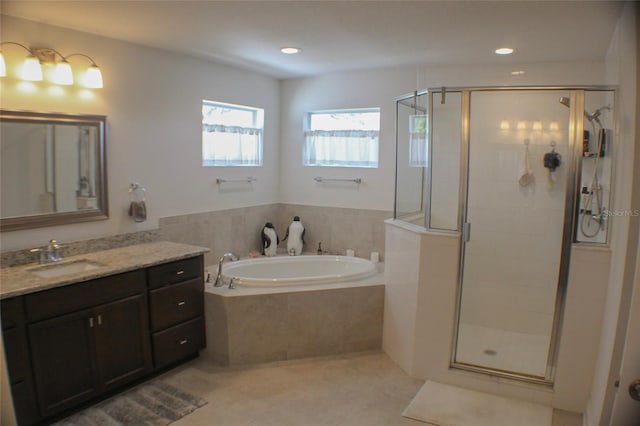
(281, 271)
(288, 307)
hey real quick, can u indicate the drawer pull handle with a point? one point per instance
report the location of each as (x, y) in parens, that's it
(182, 303)
(91, 322)
(183, 341)
(99, 319)
(180, 272)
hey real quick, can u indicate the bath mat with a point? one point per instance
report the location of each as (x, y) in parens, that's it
(445, 405)
(153, 404)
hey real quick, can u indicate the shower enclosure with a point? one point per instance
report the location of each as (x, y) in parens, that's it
(522, 174)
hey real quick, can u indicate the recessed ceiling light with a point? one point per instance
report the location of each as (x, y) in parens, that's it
(290, 50)
(504, 51)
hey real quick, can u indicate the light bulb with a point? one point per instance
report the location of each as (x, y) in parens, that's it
(93, 77)
(504, 125)
(3, 66)
(63, 73)
(537, 125)
(31, 69)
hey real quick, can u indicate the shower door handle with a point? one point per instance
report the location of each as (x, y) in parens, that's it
(466, 232)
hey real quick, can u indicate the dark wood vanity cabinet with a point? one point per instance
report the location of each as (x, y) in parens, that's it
(18, 360)
(78, 354)
(176, 303)
(74, 343)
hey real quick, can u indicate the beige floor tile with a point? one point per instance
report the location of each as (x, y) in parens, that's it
(358, 389)
(354, 389)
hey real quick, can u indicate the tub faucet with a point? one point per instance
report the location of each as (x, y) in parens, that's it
(232, 257)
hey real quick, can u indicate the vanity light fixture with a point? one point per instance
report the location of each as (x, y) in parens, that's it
(31, 69)
(62, 74)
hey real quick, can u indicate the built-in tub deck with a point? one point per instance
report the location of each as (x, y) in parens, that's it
(260, 324)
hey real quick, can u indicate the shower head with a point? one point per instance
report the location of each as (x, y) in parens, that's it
(591, 117)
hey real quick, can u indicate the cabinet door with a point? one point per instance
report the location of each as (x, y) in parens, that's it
(63, 358)
(122, 340)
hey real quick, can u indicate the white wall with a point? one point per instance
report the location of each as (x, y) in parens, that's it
(356, 89)
(621, 69)
(152, 100)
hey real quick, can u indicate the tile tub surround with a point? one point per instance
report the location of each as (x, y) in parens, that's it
(18, 280)
(337, 228)
(74, 248)
(292, 323)
(238, 230)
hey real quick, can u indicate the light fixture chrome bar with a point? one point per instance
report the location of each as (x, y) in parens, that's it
(247, 179)
(321, 179)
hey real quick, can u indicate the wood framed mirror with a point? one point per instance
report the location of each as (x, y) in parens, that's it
(53, 169)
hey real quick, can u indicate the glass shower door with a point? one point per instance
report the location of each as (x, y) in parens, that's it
(514, 224)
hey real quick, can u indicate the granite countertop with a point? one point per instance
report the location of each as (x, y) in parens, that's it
(18, 280)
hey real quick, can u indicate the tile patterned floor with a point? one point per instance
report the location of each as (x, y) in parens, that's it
(362, 389)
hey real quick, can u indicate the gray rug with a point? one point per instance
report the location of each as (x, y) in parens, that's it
(154, 404)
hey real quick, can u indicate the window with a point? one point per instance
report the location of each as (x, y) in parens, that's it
(342, 138)
(231, 134)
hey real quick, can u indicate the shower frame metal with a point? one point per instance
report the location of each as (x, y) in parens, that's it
(576, 126)
(575, 136)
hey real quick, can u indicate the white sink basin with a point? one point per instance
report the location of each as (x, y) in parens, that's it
(53, 270)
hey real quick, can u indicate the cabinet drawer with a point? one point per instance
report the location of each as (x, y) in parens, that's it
(63, 300)
(178, 342)
(175, 272)
(174, 304)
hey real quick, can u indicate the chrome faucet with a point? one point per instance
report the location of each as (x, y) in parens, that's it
(232, 257)
(53, 252)
(49, 253)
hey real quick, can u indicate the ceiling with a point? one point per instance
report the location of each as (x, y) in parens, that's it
(343, 35)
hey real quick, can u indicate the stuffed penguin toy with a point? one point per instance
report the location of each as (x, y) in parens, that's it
(270, 240)
(295, 237)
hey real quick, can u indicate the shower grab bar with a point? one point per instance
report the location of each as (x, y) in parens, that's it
(321, 179)
(247, 179)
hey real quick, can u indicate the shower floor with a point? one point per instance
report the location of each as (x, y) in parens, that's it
(503, 350)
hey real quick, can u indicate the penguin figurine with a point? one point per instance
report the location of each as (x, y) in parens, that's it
(295, 237)
(270, 240)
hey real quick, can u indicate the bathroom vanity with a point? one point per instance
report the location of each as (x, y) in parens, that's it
(71, 337)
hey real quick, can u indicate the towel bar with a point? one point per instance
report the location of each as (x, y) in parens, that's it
(321, 179)
(248, 179)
